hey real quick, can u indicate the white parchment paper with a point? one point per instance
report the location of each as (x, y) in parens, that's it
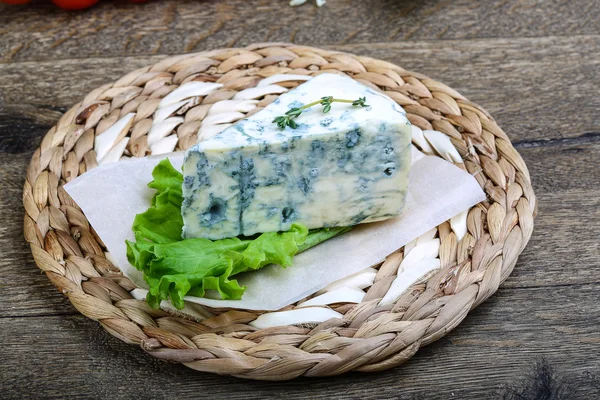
(112, 194)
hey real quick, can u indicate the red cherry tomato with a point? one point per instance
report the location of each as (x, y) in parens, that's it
(74, 4)
(15, 1)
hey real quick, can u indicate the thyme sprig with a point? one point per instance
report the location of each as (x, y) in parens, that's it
(290, 116)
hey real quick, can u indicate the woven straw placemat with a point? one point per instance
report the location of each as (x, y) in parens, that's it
(125, 119)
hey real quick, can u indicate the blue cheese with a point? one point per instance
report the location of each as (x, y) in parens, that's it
(342, 168)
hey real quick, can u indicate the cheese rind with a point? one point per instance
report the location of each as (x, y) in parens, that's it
(342, 168)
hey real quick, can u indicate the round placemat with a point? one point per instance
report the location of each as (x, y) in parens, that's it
(161, 108)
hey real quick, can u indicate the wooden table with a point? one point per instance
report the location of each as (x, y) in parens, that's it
(534, 64)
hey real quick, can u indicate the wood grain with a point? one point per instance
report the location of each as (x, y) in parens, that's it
(492, 348)
(509, 77)
(167, 27)
(533, 64)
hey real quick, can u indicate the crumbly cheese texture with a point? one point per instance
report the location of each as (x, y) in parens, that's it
(342, 168)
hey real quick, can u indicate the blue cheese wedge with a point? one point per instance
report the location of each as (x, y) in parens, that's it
(342, 168)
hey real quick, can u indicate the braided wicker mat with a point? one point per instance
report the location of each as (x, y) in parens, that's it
(127, 119)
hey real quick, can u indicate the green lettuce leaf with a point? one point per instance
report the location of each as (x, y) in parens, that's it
(174, 267)
(162, 222)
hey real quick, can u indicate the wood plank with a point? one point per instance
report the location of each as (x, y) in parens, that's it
(537, 89)
(495, 346)
(562, 251)
(42, 32)
(564, 246)
(533, 64)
